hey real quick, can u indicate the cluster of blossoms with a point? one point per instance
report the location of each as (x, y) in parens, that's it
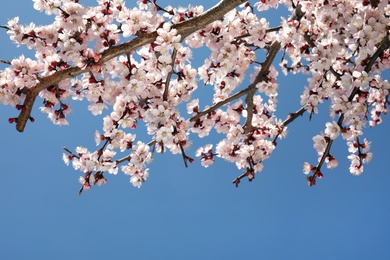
(137, 61)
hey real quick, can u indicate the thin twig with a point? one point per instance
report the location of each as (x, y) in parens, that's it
(264, 70)
(385, 44)
(5, 62)
(169, 76)
(286, 122)
(185, 158)
(273, 50)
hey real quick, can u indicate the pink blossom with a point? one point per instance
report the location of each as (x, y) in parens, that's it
(319, 143)
(332, 130)
(307, 168)
(331, 162)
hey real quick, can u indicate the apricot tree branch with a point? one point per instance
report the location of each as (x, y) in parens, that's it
(168, 80)
(273, 50)
(385, 44)
(252, 87)
(184, 28)
(286, 122)
(32, 93)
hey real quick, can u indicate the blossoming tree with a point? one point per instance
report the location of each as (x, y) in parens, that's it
(135, 62)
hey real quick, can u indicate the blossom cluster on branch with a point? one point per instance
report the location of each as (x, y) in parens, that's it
(136, 63)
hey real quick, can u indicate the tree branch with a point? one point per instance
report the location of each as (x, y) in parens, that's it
(168, 80)
(273, 50)
(184, 28)
(252, 87)
(385, 44)
(286, 122)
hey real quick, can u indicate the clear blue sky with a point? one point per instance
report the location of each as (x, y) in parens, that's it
(181, 213)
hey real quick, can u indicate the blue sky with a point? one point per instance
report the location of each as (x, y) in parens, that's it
(186, 213)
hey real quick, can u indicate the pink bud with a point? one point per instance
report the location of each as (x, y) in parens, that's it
(250, 175)
(237, 181)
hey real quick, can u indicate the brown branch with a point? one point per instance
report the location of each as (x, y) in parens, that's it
(286, 122)
(273, 50)
(169, 76)
(384, 45)
(32, 93)
(219, 104)
(129, 62)
(159, 8)
(274, 29)
(183, 154)
(128, 157)
(289, 120)
(293, 116)
(184, 28)
(296, 15)
(249, 108)
(264, 70)
(5, 62)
